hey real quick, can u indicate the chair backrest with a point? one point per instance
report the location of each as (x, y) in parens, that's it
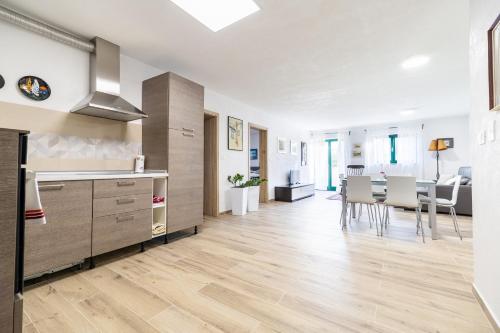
(402, 190)
(456, 187)
(359, 189)
(355, 169)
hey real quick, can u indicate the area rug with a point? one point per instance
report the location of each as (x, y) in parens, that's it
(336, 196)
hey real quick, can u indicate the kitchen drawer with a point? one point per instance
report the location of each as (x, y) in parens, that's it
(120, 230)
(118, 187)
(65, 239)
(123, 204)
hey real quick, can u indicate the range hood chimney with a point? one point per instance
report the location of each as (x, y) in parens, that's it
(104, 100)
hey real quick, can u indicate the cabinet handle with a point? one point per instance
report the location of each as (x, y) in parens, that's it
(125, 201)
(188, 134)
(188, 129)
(51, 187)
(120, 219)
(125, 182)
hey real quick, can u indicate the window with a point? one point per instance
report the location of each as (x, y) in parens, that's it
(392, 138)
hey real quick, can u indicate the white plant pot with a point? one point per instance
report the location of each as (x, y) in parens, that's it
(239, 200)
(253, 198)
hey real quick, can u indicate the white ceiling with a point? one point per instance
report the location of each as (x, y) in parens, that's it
(324, 63)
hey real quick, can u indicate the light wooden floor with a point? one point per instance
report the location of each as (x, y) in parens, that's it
(286, 268)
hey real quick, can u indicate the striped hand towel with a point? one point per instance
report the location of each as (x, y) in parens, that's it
(34, 210)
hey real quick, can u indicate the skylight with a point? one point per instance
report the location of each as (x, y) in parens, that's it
(218, 14)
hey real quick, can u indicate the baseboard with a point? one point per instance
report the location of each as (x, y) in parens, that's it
(486, 309)
(225, 212)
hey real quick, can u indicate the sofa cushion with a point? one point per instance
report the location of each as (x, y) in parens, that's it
(465, 172)
(465, 180)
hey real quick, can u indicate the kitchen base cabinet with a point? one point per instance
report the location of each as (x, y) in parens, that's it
(66, 238)
(123, 213)
(120, 230)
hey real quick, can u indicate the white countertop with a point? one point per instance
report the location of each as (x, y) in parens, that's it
(43, 176)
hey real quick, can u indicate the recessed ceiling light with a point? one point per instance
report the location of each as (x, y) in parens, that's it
(408, 112)
(218, 14)
(415, 61)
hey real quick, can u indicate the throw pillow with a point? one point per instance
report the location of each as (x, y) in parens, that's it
(443, 179)
(464, 180)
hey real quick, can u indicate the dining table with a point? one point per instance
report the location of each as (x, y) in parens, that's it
(422, 185)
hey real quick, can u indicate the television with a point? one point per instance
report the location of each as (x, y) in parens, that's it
(294, 177)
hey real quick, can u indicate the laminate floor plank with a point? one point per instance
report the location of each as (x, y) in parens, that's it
(286, 268)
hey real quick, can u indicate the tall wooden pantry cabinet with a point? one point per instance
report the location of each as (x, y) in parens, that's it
(172, 139)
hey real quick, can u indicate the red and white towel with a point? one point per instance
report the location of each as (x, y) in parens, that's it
(34, 210)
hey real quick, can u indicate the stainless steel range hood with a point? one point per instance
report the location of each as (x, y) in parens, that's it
(104, 100)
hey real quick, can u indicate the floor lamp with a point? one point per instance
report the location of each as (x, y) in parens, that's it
(437, 145)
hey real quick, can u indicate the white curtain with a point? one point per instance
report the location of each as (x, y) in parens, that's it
(409, 152)
(344, 151)
(319, 149)
(320, 159)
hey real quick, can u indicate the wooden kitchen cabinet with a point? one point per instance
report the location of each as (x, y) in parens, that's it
(123, 213)
(173, 140)
(66, 238)
(12, 180)
(185, 185)
(120, 230)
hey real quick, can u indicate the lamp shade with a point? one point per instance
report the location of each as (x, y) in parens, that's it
(437, 145)
(433, 145)
(441, 145)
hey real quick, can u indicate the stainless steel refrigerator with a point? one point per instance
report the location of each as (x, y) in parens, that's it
(13, 152)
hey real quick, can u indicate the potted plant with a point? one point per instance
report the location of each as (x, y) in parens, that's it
(239, 193)
(254, 193)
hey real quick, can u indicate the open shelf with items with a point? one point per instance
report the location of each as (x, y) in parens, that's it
(159, 223)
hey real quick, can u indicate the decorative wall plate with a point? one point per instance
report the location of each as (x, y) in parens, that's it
(34, 88)
(2, 82)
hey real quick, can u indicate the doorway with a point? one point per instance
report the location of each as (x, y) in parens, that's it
(257, 157)
(211, 164)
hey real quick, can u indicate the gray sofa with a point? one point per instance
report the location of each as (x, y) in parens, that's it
(464, 200)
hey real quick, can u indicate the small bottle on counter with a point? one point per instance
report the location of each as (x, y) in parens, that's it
(139, 164)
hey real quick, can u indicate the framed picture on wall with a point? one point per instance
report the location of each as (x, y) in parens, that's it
(356, 150)
(294, 148)
(303, 153)
(282, 145)
(234, 133)
(494, 64)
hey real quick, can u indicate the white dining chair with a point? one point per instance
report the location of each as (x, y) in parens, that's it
(441, 202)
(359, 191)
(402, 192)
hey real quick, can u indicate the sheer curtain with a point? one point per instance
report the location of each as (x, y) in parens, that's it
(344, 153)
(320, 159)
(319, 149)
(409, 151)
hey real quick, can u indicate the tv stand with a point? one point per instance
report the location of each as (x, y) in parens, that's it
(290, 193)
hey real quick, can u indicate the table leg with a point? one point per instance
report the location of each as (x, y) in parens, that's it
(344, 204)
(432, 211)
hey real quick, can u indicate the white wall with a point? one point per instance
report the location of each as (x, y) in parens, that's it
(449, 127)
(66, 70)
(486, 162)
(232, 162)
(449, 160)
